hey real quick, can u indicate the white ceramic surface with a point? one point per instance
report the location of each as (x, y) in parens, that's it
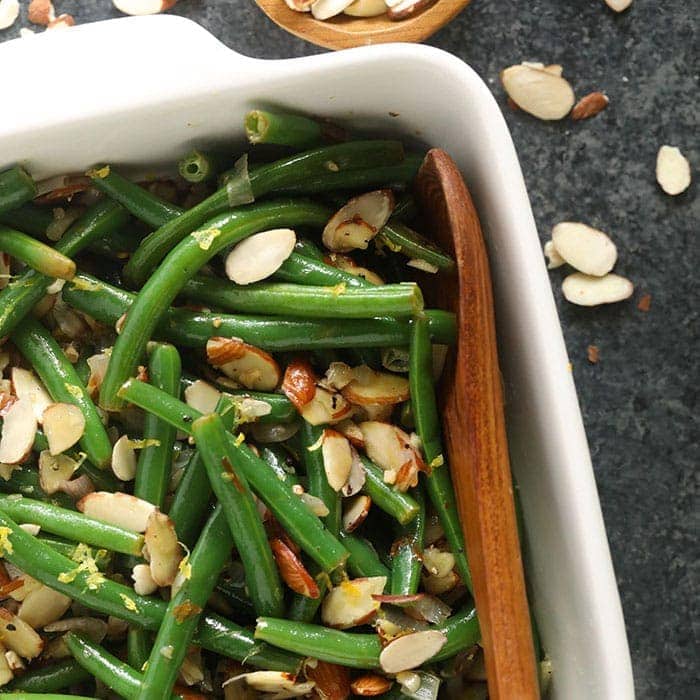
(144, 90)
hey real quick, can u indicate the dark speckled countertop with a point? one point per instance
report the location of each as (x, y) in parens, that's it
(640, 401)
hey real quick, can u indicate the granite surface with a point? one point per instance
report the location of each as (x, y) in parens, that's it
(640, 401)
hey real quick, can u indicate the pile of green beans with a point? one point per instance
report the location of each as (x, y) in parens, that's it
(243, 475)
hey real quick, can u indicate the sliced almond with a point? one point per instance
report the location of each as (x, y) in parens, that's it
(143, 581)
(64, 425)
(326, 407)
(253, 368)
(18, 636)
(27, 386)
(585, 290)
(555, 260)
(299, 383)
(351, 603)
(164, 550)
(117, 508)
(325, 9)
(356, 512)
(292, 570)
(55, 470)
(92, 627)
(6, 674)
(423, 266)
(352, 432)
(78, 488)
(371, 685)
(618, 5)
(260, 255)
(315, 504)
(143, 7)
(407, 8)
(437, 562)
(202, 396)
(300, 5)
(347, 264)
(9, 12)
(18, 431)
(332, 680)
(124, 459)
(282, 684)
(62, 22)
(672, 170)
(98, 368)
(22, 586)
(439, 585)
(411, 650)
(538, 92)
(589, 105)
(366, 8)
(357, 477)
(43, 606)
(41, 12)
(370, 387)
(373, 411)
(337, 458)
(359, 221)
(587, 249)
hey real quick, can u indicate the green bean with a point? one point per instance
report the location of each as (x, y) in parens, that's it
(438, 482)
(262, 126)
(402, 239)
(115, 674)
(406, 559)
(363, 560)
(406, 209)
(401, 506)
(180, 265)
(462, 631)
(236, 598)
(322, 164)
(28, 218)
(198, 166)
(111, 598)
(302, 301)
(137, 200)
(71, 525)
(277, 459)
(295, 517)
(38, 346)
(35, 254)
(102, 557)
(191, 500)
(301, 607)
(318, 486)
(25, 480)
(181, 618)
(232, 490)
(48, 679)
(192, 329)
(48, 696)
(138, 647)
(21, 295)
(16, 188)
(299, 268)
(153, 468)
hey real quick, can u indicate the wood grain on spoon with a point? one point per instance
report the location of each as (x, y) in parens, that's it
(475, 434)
(343, 32)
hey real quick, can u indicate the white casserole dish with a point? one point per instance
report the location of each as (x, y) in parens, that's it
(142, 91)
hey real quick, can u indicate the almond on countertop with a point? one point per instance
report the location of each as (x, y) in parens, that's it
(538, 91)
(672, 170)
(554, 259)
(587, 249)
(585, 290)
(41, 12)
(618, 5)
(143, 7)
(589, 105)
(9, 12)
(593, 354)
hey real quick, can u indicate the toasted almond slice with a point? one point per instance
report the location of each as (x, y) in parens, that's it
(124, 459)
(555, 260)
(411, 650)
(338, 376)
(315, 505)
(672, 170)
(163, 548)
(423, 266)
(430, 609)
(325, 9)
(300, 5)
(366, 8)
(371, 685)
(55, 470)
(18, 430)
(64, 425)
(41, 12)
(350, 603)
(358, 476)
(400, 600)
(347, 264)
(117, 508)
(370, 387)
(78, 488)
(373, 411)
(143, 581)
(202, 396)
(554, 69)
(260, 255)
(92, 627)
(437, 562)
(282, 684)
(143, 7)
(299, 383)
(17, 635)
(9, 12)
(6, 668)
(587, 249)
(20, 587)
(352, 432)
(43, 606)
(326, 407)
(356, 511)
(589, 105)
(359, 221)
(618, 5)
(407, 8)
(538, 92)
(253, 368)
(438, 585)
(27, 386)
(332, 680)
(585, 290)
(62, 22)
(31, 528)
(98, 368)
(337, 458)
(292, 570)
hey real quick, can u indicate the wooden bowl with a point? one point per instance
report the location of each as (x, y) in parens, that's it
(343, 32)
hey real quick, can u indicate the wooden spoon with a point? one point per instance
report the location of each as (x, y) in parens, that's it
(475, 433)
(343, 32)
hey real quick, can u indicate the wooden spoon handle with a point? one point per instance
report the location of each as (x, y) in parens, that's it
(476, 440)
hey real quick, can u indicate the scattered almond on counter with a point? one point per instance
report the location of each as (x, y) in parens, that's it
(552, 255)
(586, 290)
(589, 105)
(143, 7)
(584, 247)
(9, 12)
(593, 354)
(539, 90)
(672, 170)
(618, 5)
